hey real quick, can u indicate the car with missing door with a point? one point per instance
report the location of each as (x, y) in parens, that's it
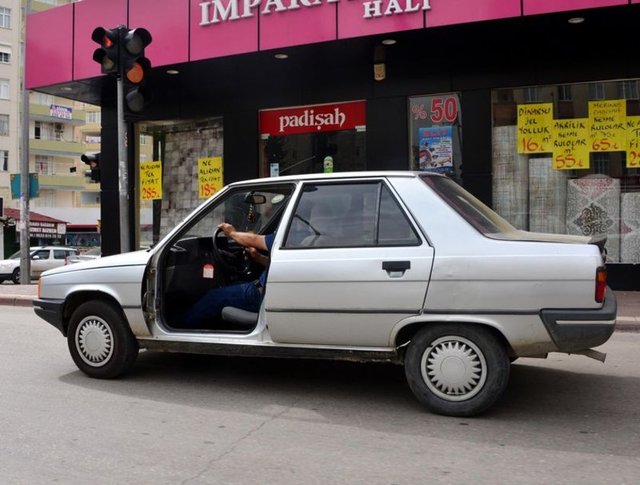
(398, 267)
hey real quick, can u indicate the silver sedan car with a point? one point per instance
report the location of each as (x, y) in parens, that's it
(395, 267)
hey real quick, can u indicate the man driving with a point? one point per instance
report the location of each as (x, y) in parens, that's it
(247, 295)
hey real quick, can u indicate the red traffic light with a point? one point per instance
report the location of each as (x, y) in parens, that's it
(107, 54)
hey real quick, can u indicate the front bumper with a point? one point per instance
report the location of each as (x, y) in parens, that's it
(52, 312)
(574, 330)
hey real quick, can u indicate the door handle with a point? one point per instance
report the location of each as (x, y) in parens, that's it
(396, 266)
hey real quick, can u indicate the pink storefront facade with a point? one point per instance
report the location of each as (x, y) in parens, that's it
(490, 92)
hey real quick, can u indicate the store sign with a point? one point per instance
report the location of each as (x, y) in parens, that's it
(47, 230)
(534, 127)
(62, 112)
(217, 11)
(313, 119)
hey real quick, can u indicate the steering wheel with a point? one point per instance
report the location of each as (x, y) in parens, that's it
(231, 263)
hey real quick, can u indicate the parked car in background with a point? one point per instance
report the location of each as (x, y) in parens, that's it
(398, 267)
(42, 258)
(90, 255)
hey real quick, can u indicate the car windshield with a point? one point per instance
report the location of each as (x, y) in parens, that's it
(473, 210)
(16, 255)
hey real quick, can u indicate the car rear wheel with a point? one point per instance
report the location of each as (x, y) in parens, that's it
(15, 276)
(100, 340)
(457, 370)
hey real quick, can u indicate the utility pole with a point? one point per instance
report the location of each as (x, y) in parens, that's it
(123, 172)
(24, 227)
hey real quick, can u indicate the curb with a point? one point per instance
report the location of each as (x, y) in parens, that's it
(16, 300)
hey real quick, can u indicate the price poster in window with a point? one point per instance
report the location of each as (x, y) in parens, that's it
(633, 141)
(209, 176)
(435, 136)
(608, 125)
(436, 149)
(570, 146)
(150, 180)
(535, 122)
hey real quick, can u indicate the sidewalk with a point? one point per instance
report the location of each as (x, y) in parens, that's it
(628, 303)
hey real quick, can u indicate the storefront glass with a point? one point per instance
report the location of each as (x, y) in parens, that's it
(313, 139)
(566, 160)
(435, 133)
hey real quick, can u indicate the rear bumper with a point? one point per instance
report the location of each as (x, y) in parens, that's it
(573, 330)
(51, 311)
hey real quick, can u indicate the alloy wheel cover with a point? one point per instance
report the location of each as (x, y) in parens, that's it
(454, 368)
(94, 341)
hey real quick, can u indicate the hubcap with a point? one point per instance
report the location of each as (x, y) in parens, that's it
(454, 368)
(94, 341)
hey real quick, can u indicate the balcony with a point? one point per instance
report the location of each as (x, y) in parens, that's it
(67, 182)
(54, 148)
(42, 112)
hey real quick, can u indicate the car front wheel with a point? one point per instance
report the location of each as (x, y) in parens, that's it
(100, 340)
(457, 370)
(15, 276)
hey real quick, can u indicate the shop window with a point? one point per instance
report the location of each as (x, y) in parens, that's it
(596, 91)
(628, 89)
(435, 129)
(312, 139)
(564, 93)
(571, 165)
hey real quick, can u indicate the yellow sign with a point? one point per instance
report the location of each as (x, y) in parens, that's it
(534, 127)
(150, 180)
(210, 178)
(570, 145)
(633, 141)
(608, 125)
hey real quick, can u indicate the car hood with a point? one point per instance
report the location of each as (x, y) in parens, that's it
(136, 258)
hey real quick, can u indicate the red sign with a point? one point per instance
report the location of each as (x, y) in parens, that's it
(313, 119)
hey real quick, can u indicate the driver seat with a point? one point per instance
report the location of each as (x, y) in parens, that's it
(239, 316)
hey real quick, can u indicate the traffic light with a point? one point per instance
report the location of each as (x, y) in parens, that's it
(93, 160)
(135, 67)
(121, 53)
(107, 54)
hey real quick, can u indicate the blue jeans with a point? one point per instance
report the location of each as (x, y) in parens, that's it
(207, 310)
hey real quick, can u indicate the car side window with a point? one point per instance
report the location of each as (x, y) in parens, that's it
(349, 215)
(59, 254)
(41, 254)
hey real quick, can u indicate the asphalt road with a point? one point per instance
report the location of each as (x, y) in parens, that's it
(181, 419)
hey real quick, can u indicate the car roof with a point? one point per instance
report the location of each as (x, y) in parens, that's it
(336, 175)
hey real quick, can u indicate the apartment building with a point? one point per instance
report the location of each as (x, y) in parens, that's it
(60, 131)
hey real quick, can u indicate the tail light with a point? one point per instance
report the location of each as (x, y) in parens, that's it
(601, 283)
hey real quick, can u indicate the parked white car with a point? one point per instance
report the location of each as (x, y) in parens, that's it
(42, 259)
(389, 266)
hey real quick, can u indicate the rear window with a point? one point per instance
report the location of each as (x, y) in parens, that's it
(473, 210)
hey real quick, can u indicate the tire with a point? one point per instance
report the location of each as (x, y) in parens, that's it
(15, 276)
(456, 369)
(100, 340)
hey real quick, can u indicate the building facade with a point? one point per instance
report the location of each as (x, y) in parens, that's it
(531, 105)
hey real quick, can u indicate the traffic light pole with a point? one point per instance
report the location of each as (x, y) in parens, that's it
(123, 173)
